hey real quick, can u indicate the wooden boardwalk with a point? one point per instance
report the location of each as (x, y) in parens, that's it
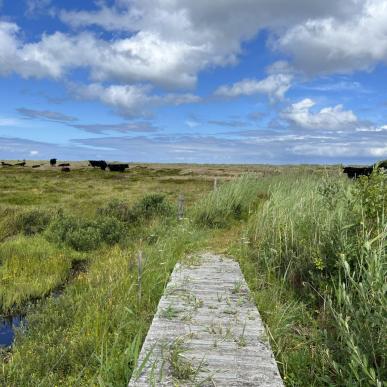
(206, 331)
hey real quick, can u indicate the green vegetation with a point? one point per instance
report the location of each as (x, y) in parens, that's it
(229, 203)
(315, 256)
(311, 244)
(30, 267)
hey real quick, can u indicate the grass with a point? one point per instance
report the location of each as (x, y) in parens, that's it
(30, 268)
(310, 243)
(315, 259)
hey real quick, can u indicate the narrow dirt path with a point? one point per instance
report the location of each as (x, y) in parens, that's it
(206, 331)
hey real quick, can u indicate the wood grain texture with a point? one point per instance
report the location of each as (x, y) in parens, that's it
(206, 331)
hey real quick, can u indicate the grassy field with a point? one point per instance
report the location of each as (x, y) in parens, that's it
(311, 244)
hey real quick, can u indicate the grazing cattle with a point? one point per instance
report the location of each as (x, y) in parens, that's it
(64, 165)
(6, 164)
(36, 166)
(355, 172)
(98, 163)
(118, 167)
(52, 162)
(22, 164)
(65, 169)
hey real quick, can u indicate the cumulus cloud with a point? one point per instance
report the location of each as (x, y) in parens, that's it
(132, 100)
(46, 114)
(331, 44)
(275, 86)
(163, 42)
(333, 118)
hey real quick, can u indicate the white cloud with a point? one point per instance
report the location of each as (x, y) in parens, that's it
(275, 86)
(36, 6)
(331, 44)
(163, 42)
(331, 118)
(131, 100)
(382, 128)
(34, 152)
(378, 151)
(192, 124)
(340, 150)
(9, 122)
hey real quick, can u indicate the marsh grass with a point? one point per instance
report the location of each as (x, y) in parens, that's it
(309, 242)
(315, 257)
(230, 202)
(30, 267)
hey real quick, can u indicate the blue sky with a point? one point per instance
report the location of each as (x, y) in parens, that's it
(226, 81)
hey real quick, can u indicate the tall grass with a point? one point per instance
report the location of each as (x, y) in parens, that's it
(30, 267)
(318, 240)
(312, 250)
(231, 201)
(92, 334)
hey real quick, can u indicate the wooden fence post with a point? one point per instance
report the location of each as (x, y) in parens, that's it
(215, 184)
(180, 210)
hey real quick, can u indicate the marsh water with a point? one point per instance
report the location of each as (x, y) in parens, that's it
(7, 329)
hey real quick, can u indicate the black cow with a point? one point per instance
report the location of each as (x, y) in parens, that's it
(6, 164)
(64, 165)
(355, 172)
(22, 164)
(65, 169)
(36, 166)
(98, 163)
(118, 167)
(52, 162)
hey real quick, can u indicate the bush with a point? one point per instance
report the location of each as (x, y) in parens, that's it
(118, 209)
(152, 205)
(370, 194)
(33, 221)
(111, 230)
(148, 207)
(85, 235)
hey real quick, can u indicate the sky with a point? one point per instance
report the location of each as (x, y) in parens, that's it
(220, 81)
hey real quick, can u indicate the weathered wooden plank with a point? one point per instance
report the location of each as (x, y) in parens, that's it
(206, 331)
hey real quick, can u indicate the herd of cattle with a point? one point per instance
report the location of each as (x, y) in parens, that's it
(65, 167)
(355, 172)
(352, 172)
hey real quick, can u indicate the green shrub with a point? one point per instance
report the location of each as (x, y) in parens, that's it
(370, 194)
(83, 238)
(85, 235)
(152, 205)
(118, 209)
(111, 230)
(33, 221)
